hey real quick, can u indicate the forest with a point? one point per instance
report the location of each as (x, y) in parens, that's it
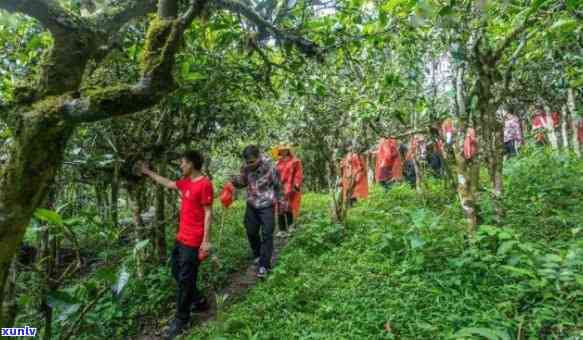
(436, 146)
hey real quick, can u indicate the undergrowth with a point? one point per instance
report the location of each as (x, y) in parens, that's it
(403, 269)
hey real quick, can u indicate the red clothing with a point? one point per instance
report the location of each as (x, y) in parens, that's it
(292, 176)
(196, 195)
(227, 196)
(354, 169)
(470, 144)
(580, 131)
(447, 126)
(388, 162)
(447, 130)
(439, 147)
(539, 121)
(416, 148)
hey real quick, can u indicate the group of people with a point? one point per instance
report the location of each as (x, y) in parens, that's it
(274, 194)
(395, 161)
(273, 197)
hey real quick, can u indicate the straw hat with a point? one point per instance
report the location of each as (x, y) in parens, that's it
(275, 151)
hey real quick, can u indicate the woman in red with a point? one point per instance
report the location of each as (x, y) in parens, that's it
(292, 176)
(354, 176)
(388, 163)
(193, 238)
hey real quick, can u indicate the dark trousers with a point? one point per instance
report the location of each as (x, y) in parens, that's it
(510, 148)
(285, 220)
(387, 184)
(185, 263)
(263, 220)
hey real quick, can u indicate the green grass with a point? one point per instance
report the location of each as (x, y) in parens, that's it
(403, 269)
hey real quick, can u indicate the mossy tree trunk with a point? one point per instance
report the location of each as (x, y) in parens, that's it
(45, 117)
(492, 130)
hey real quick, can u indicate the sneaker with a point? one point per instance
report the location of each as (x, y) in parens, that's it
(256, 261)
(281, 234)
(201, 306)
(262, 272)
(176, 328)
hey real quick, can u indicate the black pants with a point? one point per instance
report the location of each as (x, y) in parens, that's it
(263, 220)
(185, 263)
(436, 163)
(387, 184)
(510, 148)
(285, 220)
(409, 172)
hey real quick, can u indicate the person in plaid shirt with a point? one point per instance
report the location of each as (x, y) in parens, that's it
(264, 196)
(512, 133)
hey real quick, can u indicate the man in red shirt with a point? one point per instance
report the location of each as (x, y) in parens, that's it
(196, 192)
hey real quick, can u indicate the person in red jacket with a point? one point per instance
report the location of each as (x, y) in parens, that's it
(539, 123)
(388, 163)
(292, 177)
(194, 232)
(354, 177)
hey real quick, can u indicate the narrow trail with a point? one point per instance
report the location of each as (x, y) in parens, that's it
(240, 283)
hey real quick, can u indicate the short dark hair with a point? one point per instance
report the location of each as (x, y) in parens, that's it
(403, 149)
(251, 151)
(194, 157)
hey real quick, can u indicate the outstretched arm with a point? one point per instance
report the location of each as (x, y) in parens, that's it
(168, 183)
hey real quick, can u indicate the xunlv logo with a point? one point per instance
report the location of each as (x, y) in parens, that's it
(19, 331)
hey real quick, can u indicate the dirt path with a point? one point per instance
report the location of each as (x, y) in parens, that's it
(240, 282)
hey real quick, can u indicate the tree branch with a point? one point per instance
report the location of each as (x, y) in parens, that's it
(113, 19)
(511, 38)
(48, 12)
(163, 40)
(513, 58)
(74, 38)
(305, 46)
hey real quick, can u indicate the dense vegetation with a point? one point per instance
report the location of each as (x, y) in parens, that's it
(402, 268)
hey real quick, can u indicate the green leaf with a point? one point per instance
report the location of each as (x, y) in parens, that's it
(553, 258)
(194, 76)
(139, 246)
(68, 311)
(519, 271)
(505, 247)
(564, 25)
(122, 281)
(60, 299)
(488, 333)
(416, 242)
(106, 274)
(49, 216)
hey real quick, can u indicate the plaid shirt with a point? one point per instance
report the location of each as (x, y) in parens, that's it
(512, 130)
(263, 184)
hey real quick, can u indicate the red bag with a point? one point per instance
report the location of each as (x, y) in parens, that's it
(227, 196)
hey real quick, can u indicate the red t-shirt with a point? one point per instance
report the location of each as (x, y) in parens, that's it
(195, 196)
